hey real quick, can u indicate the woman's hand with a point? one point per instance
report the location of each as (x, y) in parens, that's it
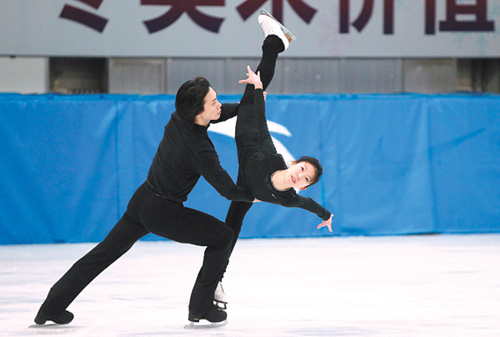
(253, 78)
(327, 223)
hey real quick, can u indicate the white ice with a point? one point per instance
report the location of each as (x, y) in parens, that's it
(438, 285)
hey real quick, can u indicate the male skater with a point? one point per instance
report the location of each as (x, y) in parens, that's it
(184, 154)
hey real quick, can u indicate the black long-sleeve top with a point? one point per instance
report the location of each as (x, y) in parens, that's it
(260, 166)
(185, 153)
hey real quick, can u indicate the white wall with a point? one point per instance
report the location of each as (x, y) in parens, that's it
(119, 29)
(25, 75)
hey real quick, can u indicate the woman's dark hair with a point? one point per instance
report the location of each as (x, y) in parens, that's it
(189, 100)
(317, 166)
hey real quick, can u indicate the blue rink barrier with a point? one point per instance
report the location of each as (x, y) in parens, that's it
(393, 164)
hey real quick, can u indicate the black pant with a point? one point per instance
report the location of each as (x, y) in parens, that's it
(246, 136)
(149, 213)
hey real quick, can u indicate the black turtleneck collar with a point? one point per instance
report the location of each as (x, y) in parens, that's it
(192, 126)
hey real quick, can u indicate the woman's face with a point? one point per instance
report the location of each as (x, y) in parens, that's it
(300, 175)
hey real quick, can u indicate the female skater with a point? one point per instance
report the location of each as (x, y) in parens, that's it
(261, 169)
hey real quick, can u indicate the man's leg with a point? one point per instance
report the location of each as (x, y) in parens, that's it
(121, 238)
(173, 221)
(218, 238)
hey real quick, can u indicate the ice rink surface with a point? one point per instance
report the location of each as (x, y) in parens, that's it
(437, 285)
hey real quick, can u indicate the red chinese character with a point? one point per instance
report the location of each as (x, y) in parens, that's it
(305, 11)
(93, 3)
(88, 19)
(184, 6)
(365, 15)
(478, 11)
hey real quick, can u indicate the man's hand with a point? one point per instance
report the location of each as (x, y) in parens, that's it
(253, 78)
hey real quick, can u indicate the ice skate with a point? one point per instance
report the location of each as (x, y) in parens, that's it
(214, 318)
(64, 317)
(271, 26)
(204, 325)
(220, 297)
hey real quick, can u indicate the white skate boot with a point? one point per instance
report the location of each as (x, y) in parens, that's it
(271, 26)
(220, 297)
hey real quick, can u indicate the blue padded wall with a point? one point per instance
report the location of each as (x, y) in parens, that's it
(393, 164)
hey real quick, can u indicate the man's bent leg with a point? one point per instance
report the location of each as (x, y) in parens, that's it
(187, 225)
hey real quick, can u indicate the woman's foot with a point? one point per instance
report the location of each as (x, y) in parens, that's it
(271, 26)
(220, 296)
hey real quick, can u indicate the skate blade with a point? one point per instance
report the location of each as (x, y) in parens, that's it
(285, 30)
(221, 305)
(204, 325)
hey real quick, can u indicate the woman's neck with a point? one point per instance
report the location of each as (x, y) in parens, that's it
(278, 180)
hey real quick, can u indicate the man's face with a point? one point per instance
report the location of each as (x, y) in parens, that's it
(211, 109)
